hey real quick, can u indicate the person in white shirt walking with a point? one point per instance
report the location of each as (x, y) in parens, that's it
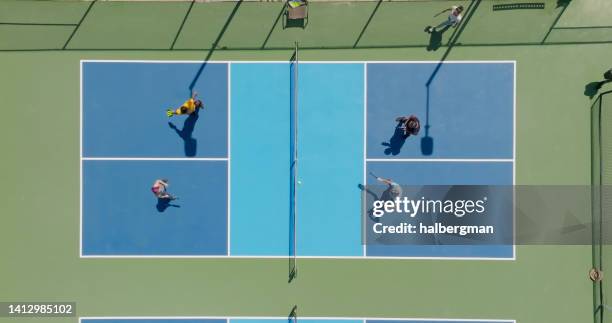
(454, 18)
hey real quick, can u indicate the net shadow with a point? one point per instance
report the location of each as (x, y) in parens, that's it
(293, 164)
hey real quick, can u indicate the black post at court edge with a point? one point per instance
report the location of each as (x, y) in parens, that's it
(215, 44)
(453, 39)
(600, 206)
(79, 24)
(178, 33)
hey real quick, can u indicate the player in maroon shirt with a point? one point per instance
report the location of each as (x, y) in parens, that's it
(409, 124)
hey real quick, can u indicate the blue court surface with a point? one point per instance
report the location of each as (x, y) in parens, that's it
(279, 320)
(122, 105)
(124, 218)
(230, 164)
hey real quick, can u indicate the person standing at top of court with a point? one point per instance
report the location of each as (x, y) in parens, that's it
(159, 190)
(454, 18)
(410, 125)
(190, 106)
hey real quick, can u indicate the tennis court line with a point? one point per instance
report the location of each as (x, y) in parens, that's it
(444, 160)
(300, 317)
(155, 158)
(81, 158)
(514, 162)
(364, 256)
(263, 257)
(229, 156)
(301, 62)
(466, 160)
(365, 153)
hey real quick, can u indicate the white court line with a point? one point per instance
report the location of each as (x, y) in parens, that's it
(229, 157)
(365, 155)
(263, 257)
(81, 158)
(301, 62)
(154, 159)
(444, 160)
(363, 319)
(468, 160)
(514, 162)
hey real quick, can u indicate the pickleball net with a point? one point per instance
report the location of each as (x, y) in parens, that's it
(601, 131)
(293, 142)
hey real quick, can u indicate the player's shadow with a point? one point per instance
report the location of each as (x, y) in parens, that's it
(163, 204)
(435, 39)
(190, 143)
(396, 142)
(373, 196)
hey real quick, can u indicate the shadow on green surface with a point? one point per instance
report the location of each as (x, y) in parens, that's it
(378, 3)
(292, 317)
(435, 39)
(379, 29)
(79, 24)
(214, 46)
(278, 17)
(294, 23)
(178, 33)
(519, 6)
(592, 88)
(563, 3)
(560, 4)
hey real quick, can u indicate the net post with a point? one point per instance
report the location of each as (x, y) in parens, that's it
(601, 203)
(293, 315)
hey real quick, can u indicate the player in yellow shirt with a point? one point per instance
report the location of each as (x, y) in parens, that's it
(190, 106)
